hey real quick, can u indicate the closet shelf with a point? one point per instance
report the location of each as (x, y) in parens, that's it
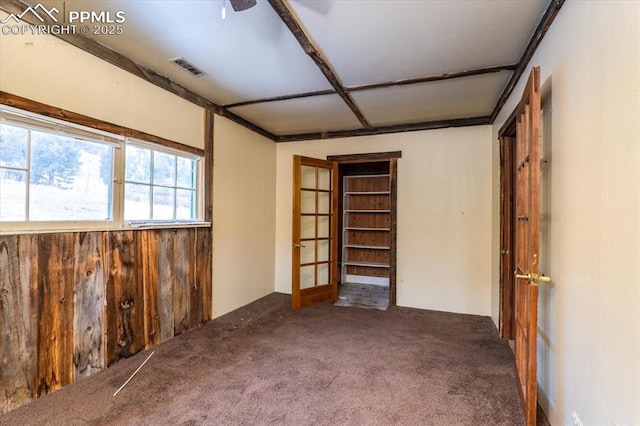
(367, 264)
(357, 246)
(367, 211)
(356, 228)
(368, 193)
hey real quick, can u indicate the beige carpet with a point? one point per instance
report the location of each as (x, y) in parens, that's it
(323, 365)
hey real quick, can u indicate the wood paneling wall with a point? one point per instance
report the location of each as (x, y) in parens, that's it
(74, 303)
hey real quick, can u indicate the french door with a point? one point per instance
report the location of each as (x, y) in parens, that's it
(315, 230)
(527, 242)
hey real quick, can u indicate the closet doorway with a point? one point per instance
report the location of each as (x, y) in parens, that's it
(367, 229)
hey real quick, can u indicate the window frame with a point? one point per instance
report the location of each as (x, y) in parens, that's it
(44, 123)
(199, 184)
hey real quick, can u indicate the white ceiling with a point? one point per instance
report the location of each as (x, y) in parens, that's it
(473, 96)
(303, 115)
(374, 41)
(252, 55)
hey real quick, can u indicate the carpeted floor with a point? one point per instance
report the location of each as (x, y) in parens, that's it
(324, 365)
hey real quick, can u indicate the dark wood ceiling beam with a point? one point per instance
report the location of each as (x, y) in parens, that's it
(431, 78)
(534, 42)
(281, 98)
(290, 21)
(246, 123)
(396, 128)
(401, 82)
(147, 74)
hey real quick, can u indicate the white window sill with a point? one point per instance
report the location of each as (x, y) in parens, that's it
(60, 227)
(158, 224)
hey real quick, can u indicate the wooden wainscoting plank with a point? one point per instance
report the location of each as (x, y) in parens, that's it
(148, 276)
(131, 298)
(89, 296)
(126, 311)
(110, 336)
(181, 281)
(164, 255)
(203, 274)
(195, 289)
(17, 323)
(55, 311)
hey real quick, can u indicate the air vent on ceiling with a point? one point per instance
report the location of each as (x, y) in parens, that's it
(183, 63)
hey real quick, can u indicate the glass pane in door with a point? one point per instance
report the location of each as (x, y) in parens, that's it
(308, 227)
(323, 250)
(324, 179)
(307, 202)
(307, 276)
(323, 274)
(308, 177)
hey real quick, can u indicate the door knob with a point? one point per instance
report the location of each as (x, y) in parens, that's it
(297, 245)
(533, 278)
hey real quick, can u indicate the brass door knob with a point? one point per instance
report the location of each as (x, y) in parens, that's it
(533, 278)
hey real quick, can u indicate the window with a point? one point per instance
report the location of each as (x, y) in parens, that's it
(53, 174)
(159, 185)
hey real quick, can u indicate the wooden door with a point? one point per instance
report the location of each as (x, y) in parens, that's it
(315, 232)
(527, 242)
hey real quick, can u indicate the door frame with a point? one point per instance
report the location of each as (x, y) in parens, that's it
(392, 157)
(507, 140)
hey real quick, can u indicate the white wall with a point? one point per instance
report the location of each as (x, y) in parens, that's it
(48, 70)
(244, 203)
(589, 326)
(444, 214)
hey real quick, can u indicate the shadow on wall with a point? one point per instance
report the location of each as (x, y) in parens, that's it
(546, 335)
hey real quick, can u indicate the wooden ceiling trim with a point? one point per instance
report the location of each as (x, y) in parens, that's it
(431, 78)
(246, 123)
(290, 21)
(365, 158)
(541, 30)
(281, 98)
(93, 47)
(396, 128)
(401, 82)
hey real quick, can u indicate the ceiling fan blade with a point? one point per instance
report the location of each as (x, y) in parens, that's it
(240, 5)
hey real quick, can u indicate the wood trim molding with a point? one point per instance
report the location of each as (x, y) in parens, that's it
(401, 82)
(282, 98)
(246, 123)
(509, 126)
(397, 128)
(393, 268)
(367, 157)
(83, 120)
(541, 30)
(209, 140)
(290, 21)
(432, 78)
